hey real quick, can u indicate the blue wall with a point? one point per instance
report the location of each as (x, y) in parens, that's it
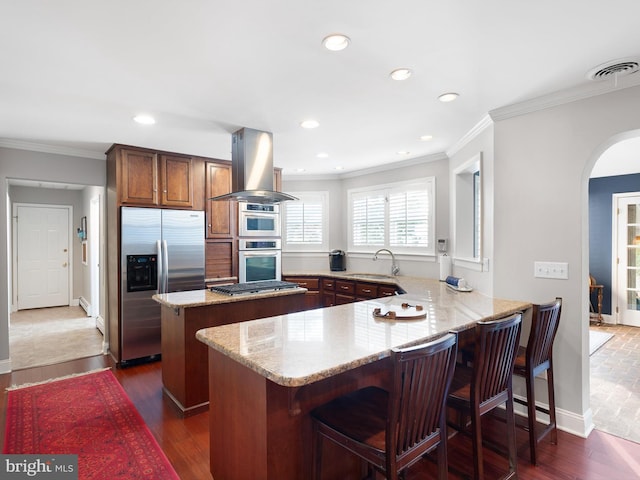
(601, 191)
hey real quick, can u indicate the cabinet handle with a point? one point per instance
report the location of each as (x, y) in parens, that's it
(344, 287)
(366, 290)
(386, 294)
(302, 284)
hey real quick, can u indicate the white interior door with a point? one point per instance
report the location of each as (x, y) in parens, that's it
(42, 256)
(628, 261)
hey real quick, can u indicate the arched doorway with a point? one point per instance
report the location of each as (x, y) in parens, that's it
(614, 171)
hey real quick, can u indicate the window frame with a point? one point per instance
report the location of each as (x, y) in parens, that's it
(428, 183)
(305, 197)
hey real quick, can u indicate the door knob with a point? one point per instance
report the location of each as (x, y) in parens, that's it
(64, 264)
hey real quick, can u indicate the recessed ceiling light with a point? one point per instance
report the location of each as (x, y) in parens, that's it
(403, 152)
(322, 155)
(448, 97)
(299, 169)
(426, 138)
(336, 42)
(400, 74)
(339, 168)
(310, 124)
(144, 119)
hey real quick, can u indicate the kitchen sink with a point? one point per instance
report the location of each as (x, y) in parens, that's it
(372, 276)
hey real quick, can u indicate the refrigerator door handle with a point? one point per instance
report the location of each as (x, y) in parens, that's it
(165, 266)
(160, 267)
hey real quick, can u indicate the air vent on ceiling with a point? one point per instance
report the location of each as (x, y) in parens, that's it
(615, 68)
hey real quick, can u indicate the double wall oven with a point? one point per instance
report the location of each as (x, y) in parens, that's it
(260, 243)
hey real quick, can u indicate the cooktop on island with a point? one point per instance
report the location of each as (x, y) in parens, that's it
(252, 287)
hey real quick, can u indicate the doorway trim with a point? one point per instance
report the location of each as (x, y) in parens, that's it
(616, 287)
(14, 252)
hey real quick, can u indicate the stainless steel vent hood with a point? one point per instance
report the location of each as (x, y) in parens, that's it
(252, 169)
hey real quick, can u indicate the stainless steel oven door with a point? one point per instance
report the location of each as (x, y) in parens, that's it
(259, 224)
(256, 265)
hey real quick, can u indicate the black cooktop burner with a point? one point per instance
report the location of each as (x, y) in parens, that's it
(252, 287)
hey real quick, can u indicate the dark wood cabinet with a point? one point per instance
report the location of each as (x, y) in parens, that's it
(386, 290)
(221, 215)
(312, 284)
(328, 289)
(219, 262)
(176, 181)
(366, 290)
(338, 291)
(138, 177)
(148, 178)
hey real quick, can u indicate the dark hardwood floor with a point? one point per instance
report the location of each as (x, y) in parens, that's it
(186, 441)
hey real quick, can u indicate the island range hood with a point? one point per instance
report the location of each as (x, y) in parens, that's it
(252, 169)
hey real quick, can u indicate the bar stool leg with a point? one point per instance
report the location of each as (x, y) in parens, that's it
(552, 406)
(511, 438)
(476, 437)
(531, 417)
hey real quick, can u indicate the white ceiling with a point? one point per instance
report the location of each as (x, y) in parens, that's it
(75, 72)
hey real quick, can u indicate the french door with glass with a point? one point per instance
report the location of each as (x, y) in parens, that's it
(628, 259)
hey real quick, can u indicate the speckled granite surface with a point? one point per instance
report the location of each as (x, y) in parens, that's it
(197, 298)
(304, 347)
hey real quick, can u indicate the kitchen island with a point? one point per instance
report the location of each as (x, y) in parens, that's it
(266, 375)
(182, 314)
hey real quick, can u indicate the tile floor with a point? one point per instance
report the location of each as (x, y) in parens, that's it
(45, 336)
(615, 382)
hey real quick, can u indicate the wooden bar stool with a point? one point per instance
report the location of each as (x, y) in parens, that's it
(487, 384)
(392, 430)
(534, 359)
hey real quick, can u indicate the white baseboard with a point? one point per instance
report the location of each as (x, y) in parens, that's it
(579, 425)
(100, 324)
(85, 305)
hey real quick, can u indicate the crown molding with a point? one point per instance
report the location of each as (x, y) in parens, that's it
(477, 129)
(366, 171)
(55, 149)
(561, 97)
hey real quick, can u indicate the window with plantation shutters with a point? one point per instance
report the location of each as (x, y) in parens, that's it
(305, 222)
(397, 216)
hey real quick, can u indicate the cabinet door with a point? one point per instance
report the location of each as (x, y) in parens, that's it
(176, 181)
(221, 215)
(139, 177)
(386, 290)
(219, 257)
(366, 290)
(328, 299)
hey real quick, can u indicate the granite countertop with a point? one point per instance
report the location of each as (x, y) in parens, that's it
(198, 298)
(304, 347)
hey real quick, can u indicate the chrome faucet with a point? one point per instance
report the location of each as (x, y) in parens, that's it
(395, 269)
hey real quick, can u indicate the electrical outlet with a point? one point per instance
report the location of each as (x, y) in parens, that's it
(558, 270)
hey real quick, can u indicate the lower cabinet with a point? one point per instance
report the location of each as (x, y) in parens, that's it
(312, 284)
(329, 291)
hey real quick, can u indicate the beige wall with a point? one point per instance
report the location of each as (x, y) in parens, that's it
(22, 164)
(542, 164)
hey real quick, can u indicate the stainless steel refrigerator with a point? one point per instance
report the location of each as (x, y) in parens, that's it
(161, 251)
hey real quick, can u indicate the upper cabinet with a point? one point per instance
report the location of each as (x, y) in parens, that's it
(221, 215)
(148, 178)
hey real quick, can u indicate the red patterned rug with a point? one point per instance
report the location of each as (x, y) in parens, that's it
(90, 416)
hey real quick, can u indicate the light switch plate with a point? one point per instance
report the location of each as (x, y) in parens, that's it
(558, 270)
